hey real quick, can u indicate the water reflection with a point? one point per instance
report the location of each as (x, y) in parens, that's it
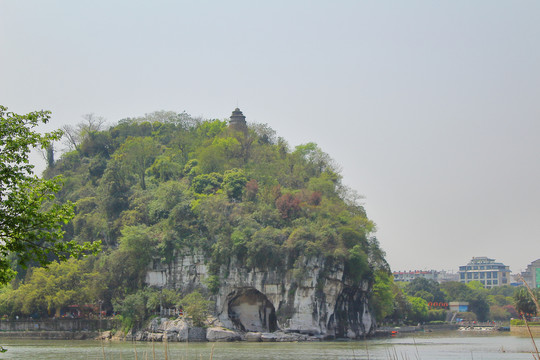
(443, 345)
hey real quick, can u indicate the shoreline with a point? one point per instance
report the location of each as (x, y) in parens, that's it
(50, 335)
(210, 334)
(166, 330)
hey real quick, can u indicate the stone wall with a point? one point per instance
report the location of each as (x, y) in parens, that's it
(57, 325)
(521, 330)
(50, 335)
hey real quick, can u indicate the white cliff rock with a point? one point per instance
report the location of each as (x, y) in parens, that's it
(316, 301)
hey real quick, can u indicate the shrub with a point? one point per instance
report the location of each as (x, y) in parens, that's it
(518, 322)
(196, 307)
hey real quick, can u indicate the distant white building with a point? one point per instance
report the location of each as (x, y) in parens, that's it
(532, 274)
(445, 276)
(410, 275)
(439, 276)
(486, 271)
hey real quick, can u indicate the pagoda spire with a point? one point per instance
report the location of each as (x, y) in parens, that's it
(238, 121)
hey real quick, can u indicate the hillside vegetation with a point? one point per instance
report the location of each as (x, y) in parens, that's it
(150, 188)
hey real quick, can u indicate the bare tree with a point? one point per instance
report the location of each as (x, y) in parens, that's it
(75, 135)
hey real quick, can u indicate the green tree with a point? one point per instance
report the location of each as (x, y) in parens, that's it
(165, 298)
(75, 136)
(31, 223)
(138, 154)
(472, 292)
(424, 295)
(478, 304)
(211, 128)
(401, 305)
(196, 307)
(133, 309)
(234, 184)
(165, 168)
(357, 266)
(48, 290)
(456, 291)
(524, 303)
(425, 285)
(207, 183)
(223, 153)
(499, 313)
(96, 143)
(418, 309)
(265, 249)
(127, 265)
(383, 296)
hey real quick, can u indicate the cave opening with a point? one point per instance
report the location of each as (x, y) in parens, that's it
(250, 310)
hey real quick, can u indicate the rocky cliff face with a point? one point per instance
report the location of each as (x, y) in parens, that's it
(316, 300)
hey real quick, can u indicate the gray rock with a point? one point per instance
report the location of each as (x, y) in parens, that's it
(176, 330)
(154, 337)
(222, 334)
(253, 336)
(269, 337)
(196, 334)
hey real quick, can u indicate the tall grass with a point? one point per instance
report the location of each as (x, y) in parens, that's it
(535, 299)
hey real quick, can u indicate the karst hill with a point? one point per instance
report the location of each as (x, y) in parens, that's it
(227, 209)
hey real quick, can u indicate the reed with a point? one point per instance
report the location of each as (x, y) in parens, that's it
(416, 349)
(166, 344)
(533, 296)
(102, 347)
(535, 300)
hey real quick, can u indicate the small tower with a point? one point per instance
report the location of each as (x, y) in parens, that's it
(238, 121)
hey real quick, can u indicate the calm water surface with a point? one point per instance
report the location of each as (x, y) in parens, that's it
(437, 345)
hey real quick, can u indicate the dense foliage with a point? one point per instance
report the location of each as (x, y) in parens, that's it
(153, 187)
(411, 301)
(526, 302)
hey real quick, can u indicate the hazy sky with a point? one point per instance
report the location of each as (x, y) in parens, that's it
(432, 108)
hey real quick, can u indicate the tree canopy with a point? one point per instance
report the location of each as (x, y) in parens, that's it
(31, 225)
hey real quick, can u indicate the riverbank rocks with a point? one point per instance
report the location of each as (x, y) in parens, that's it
(175, 330)
(253, 336)
(268, 337)
(160, 329)
(155, 337)
(221, 334)
(179, 330)
(197, 334)
(104, 335)
(320, 301)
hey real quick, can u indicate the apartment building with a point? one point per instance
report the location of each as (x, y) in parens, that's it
(489, 272)
(532, 274)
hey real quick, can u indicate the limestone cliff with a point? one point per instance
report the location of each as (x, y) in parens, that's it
(316, 300)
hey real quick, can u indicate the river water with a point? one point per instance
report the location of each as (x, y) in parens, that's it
(426, 346)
